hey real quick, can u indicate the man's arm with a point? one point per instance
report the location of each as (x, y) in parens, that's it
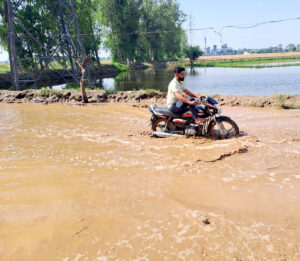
(189, 93)
(183, 99)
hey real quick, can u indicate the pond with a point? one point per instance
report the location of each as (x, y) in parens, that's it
(222, 81)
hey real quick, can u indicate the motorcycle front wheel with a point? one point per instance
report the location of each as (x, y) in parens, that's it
(230, 130)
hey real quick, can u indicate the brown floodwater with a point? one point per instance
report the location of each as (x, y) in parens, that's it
(89, 183)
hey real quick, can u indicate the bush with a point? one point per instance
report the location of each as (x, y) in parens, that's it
(110, 91)
(47, 92)
(281, 98)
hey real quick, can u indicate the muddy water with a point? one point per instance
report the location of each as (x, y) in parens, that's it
(88, 183)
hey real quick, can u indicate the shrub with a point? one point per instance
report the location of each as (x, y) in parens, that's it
(281, 98)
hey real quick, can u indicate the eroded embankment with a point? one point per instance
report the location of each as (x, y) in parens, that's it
(47, 96)
(90, 183)
(55, 77)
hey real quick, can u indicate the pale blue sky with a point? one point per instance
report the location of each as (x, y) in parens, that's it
(218, 13)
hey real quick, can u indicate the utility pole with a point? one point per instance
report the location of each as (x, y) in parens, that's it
(64, 30)
(191, 30)
(78, 37)
(12, 44)
(95, 51)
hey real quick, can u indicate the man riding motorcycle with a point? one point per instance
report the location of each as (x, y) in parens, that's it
(176, 101)
(177, 120)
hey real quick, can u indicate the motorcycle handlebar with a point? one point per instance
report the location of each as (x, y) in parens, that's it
(202, 100)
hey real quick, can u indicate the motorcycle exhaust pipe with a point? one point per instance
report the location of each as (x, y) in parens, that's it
(163, 134)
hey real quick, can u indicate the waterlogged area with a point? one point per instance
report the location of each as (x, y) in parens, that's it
(222, 81)
(89, 183)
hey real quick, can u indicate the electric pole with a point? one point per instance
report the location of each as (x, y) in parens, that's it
(13, 58)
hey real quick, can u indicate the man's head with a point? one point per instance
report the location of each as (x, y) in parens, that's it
(179, 73)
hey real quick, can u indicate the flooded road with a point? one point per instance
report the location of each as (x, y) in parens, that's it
(89, 183)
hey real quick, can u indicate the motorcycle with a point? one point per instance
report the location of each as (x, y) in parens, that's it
(165, 123)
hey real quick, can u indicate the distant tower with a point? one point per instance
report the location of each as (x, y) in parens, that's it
(205, 48)
(191, 30)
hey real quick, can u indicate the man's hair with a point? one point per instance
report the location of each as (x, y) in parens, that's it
(179, 69)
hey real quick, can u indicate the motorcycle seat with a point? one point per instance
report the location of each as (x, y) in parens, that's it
(164, 111)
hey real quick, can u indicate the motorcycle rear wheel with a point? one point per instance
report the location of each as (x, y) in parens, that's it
(160, 125)
(230, 126)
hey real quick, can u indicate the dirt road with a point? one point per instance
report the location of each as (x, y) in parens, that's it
(89, 183)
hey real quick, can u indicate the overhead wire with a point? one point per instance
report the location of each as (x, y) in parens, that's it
(214, 29)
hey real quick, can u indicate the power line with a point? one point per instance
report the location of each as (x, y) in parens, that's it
(214, 29)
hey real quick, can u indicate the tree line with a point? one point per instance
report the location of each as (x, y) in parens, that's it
(134, 31)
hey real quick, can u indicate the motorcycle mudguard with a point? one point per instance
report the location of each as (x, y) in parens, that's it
(221, 118)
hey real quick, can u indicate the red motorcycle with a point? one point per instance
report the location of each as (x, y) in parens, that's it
(165, 123)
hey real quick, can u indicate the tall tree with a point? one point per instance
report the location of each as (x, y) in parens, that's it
(192, 52)
(121, 21)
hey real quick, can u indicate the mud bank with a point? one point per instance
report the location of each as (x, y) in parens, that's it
(99, 96)
(90, 183)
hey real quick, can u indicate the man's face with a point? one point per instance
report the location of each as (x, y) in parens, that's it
(180, 76)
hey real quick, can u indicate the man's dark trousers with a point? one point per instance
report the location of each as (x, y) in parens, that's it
(181, 107)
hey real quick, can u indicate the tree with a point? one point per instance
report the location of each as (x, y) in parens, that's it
(137, 31)
(192, 52)
(121, 21)
(39, 23)
(163, 20)
(291, 48)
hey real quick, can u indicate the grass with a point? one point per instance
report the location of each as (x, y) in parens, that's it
(281, 98)
(110, 91)
(285, 107)
(149, 91)
(140, 91)
(133, 94)
(47, 92)
(248, 63)
(75, 86)
(4, 67)
(119, 66)
(72, 86)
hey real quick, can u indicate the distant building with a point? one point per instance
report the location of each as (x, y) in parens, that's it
(207, 51)
(214, 50)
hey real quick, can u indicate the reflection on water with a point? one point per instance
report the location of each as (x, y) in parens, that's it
(223, 81)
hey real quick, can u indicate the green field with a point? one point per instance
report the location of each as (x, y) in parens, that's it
(251, 63)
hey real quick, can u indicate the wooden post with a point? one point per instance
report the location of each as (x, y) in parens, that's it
(84, 79)
(12, 45)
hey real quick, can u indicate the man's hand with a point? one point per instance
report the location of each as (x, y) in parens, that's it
(195, 102)
(203, 97)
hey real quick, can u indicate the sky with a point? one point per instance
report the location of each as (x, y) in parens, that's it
(218, 13)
